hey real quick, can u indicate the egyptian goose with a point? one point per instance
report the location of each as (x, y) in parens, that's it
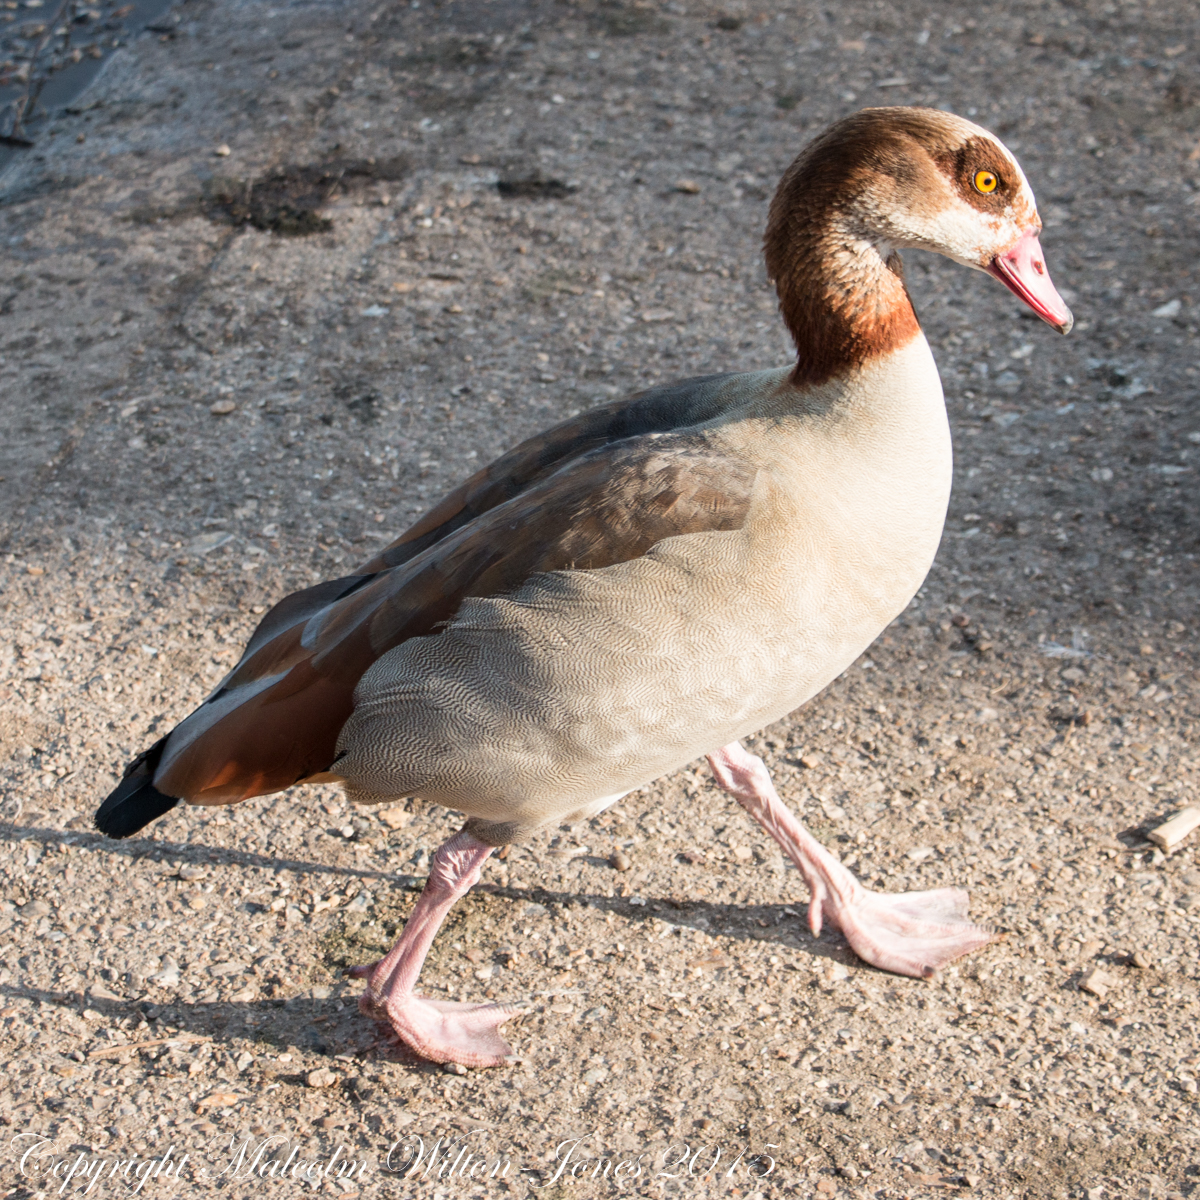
(647, 582)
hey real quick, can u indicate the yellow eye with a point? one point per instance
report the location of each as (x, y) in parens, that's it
(986, 181)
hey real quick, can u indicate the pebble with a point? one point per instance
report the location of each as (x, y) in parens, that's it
(621, 861)
(168, 975)
(689, 187)
(322, 1077)
(222, 151)
(222, 408)
(1142, 960)
(1098, 982)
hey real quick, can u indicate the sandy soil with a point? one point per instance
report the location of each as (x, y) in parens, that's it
(434, 231)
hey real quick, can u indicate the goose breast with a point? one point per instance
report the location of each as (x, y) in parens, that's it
(582, 684)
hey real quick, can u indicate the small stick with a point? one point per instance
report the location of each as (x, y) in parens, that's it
(1176, 829)
(178, 1039)
(23, 105)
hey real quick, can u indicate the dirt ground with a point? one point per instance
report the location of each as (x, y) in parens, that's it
(283, 276)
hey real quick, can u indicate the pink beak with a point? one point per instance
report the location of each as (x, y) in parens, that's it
(1022, 269)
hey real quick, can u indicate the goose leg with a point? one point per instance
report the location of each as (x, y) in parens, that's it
(440, 1030)
(913, 933)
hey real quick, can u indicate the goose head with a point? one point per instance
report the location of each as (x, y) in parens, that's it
(889, 179)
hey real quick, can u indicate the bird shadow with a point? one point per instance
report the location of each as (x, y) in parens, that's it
(330, 1024)
(298, 1024)
(198, 854)
(741, 921)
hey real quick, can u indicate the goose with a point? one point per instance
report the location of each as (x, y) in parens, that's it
(647, 582)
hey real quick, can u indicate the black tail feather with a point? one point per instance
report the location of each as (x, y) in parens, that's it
(135, 801)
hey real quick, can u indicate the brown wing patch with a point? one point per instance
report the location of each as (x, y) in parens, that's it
(276, 719)
(657, 410)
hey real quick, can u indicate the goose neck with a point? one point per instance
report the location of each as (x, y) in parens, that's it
(843, 298)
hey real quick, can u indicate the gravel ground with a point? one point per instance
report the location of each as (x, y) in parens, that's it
(311, 266)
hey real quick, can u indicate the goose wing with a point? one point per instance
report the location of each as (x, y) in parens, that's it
(275, 719)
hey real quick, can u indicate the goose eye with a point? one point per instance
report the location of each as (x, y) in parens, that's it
(986, 182)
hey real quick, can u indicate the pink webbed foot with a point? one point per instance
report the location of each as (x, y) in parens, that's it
(910, 933)
(446, 1031)
(914, 933)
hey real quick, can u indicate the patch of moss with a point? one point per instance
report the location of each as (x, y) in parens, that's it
(285, 201)
(534, 187)
(628, 20)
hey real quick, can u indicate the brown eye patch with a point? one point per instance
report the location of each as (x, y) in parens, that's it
(980, 174)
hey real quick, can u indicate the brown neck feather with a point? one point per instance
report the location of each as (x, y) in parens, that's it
(842, 302)
(843, 308)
